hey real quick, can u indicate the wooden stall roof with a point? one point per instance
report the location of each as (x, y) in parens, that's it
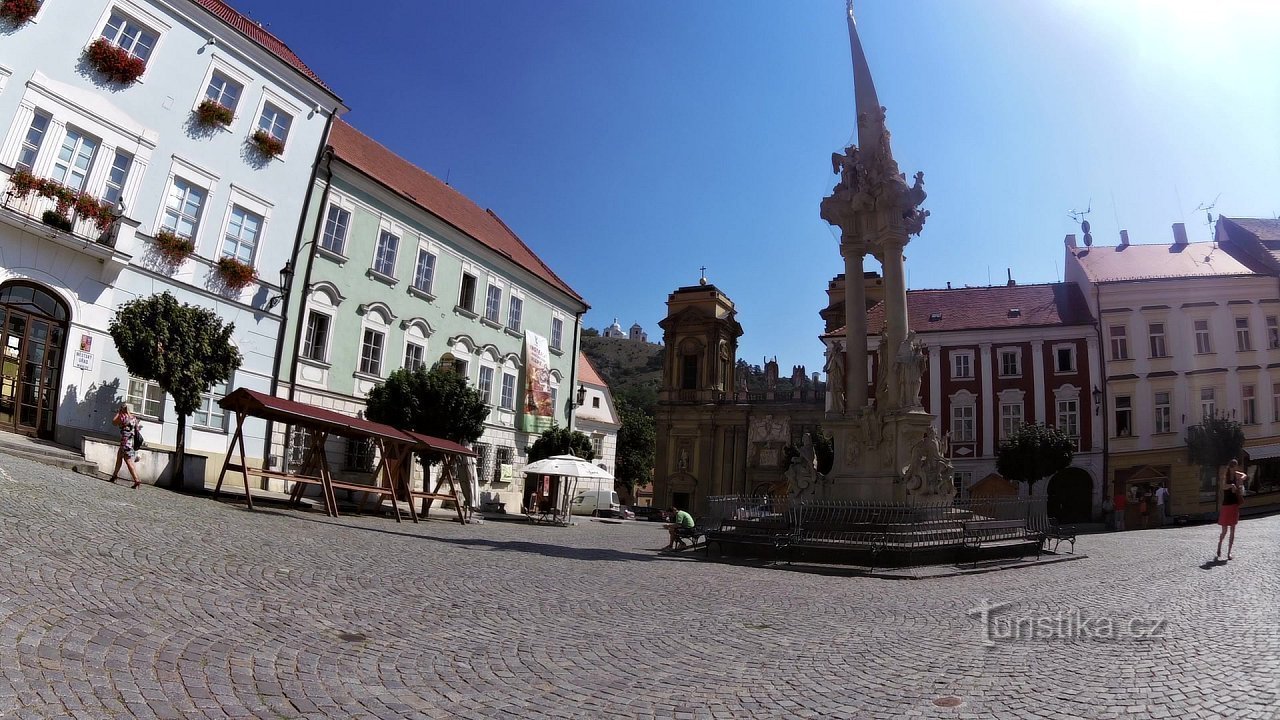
(438, 444)
(269, 407)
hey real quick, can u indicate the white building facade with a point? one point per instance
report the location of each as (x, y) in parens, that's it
(596, 415)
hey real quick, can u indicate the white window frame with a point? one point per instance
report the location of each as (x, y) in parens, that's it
(1273, 332)
(468, 272)
(69, 167)
(1244, 342)
(493, 303)
(215, 417)
(110, 185)
(411, 362)
(218, 63)
(1208, 401)
(1161, 412)
(515, 311)
(1075, 361)
(1119, 341)
(193, 175)
(376, 265)
(364, 364)
(1275, 402)
(555, 340)
(1068, 417)
(486, 387)
(966, 420)
(955, 356)
(25, 143)
(416, 333)
(335, 204)
(252, 203)
(417, 285)
(141, 393)
(1016, 354)
(1249, 404)
(1154, 338)
(240, 240)
(1011, 418)
(1205, 348)
(507, 401)
(139, 15)
(308, 342)
(293, 111)
(1125, 409)
(374, 320)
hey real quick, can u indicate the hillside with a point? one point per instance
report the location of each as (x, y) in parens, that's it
(632, 369)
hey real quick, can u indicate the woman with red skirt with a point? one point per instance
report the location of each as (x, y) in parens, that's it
(1229, 515)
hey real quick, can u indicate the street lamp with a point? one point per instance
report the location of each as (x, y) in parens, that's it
(1097, 401)
(582, 395)
(286, 275)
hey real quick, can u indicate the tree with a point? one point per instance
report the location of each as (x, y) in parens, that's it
(184, 349)
(436, 402)
(590, 332)
(561, 441)
(1033, 452)
(636, 443)
(1213, 443)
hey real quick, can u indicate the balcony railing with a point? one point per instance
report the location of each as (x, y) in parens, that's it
(719, 396)
(43, 209)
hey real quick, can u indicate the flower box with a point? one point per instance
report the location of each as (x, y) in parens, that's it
(17, 12)
(235, 274)
(65, 199)
(114, 62)
(172, 248)
(266, 144)
(212, 113)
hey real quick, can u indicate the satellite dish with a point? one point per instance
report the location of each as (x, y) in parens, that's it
(1088, 237)
(1084, 227)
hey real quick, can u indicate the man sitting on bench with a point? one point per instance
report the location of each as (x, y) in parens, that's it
(683, 523)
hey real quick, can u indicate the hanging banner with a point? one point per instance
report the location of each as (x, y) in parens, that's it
(539, 414)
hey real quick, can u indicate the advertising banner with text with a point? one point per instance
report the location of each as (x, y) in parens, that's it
(539, 413)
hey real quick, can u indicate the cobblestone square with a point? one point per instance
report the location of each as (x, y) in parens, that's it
(118, 603)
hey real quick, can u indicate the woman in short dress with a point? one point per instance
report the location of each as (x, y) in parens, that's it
(1232, 493)
(128, 424)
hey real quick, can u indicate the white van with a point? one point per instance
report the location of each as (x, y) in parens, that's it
(597, 503)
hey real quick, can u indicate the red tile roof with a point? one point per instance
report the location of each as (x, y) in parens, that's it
(1257, 236)
(587, 372)
(1149, 262)
(427, 192)
(258, 34)
(987, 308)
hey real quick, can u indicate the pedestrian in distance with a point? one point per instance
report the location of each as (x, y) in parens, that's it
(1143, 509)
(126, 454)
(1229, 515)
(1162, 504)
(683, 522)
(1119, 504)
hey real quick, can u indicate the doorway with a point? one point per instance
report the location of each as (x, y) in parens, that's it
(1070, 496)
(33, 333)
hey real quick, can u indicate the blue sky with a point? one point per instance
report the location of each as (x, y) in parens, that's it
(629, 143)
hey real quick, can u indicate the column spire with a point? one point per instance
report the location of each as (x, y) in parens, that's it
(870, 114)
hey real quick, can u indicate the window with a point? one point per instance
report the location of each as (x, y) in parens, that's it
(1248, 405)
(486, 384)
(1119, 343)
(384, 259)
(210, 414)
(371, 352)
(508, 391)
(595, 402)
(1010, 418)
(415, 356)
(1069, 417)
(120, 165)
(467, 296)
(484, 455)
(514, 310)
(359, 455)
(1273, 332)
(1010, 363)
(130, 36)
(223, 90)
(689, 372)
(1155, 333)
(1124, 416)
(424, 271)
(505, 457)
(1202, 337)
(1064, 358)
(336, 222)
(1163, 413)
(71, 167)
(962, 423)
(597, 445)
(182, 209)
(32, 141)
(557, 333)
(962, 364)
(460, 368)
(146, 398)
(1208, 403)
(1243, 343)
(241, 240)
(492, 303)
(315, 346)
(961, 480)
(274, 121)
(298, 444)
(1275, 402)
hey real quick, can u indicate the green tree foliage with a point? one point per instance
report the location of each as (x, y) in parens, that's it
(637, 440)
(184, 349)
(1214, 442)
(590, 332)
(1033, 452)
(436, 402)
(561, 441)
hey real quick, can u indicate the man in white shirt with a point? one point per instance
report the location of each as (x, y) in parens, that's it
(1162, 504)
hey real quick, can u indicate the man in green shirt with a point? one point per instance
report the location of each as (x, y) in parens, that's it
(683, 522)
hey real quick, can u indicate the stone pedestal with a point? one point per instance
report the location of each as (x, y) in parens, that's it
(872, 451)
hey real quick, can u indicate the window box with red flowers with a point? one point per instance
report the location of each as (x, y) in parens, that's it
(65, 199)
(235, 274)
(269, 146)
(172, 248)
(18, 12)
(211, 114)
(114, 62)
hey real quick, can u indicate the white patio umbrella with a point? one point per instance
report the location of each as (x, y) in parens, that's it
(567, 466)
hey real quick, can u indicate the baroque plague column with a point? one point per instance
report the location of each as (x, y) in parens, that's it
(887, 450)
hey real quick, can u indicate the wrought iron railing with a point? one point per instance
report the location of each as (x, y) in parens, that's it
(45, 210)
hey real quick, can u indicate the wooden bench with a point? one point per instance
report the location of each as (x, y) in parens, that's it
(691, 534)
(774, 531)
(980, 534)
(1058, 534)
(829, 534)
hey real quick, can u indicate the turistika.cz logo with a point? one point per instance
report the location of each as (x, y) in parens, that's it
(999, 625)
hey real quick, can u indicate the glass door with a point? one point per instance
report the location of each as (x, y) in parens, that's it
(33, 333)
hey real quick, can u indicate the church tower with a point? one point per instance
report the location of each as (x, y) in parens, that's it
(700, 338)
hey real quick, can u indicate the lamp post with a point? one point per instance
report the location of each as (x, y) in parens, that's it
(582, 396)
(1097, 401)
(286, 277)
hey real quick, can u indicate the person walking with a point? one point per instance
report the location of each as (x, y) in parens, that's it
(1229, 515)
(1143, 508)
(1162, 504)
(126, 454)
(1119, 505)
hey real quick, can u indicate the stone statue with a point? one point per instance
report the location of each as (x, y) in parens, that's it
(911, 360)
(849, 167)
(929, 474)
(802, 473)
(682, 460)
(836, 386)
(771, 374)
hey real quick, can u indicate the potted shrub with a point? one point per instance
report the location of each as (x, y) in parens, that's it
(172, 248)
(266, 144)
(235, 274)
(211, 113)
(55, 219)
(114, 62)
(17, 12)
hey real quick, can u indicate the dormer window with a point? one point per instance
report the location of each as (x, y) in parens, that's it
(935, 317)
(1015, 312)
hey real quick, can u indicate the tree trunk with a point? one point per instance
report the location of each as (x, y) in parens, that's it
(177, 479)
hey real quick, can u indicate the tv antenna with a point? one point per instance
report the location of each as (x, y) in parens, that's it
(1079, 217)
(1208, 212)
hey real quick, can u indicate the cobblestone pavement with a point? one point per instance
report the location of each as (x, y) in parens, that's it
(119, 603)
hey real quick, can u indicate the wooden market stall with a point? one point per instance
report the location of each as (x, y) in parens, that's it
(450, 453)
(395, 449)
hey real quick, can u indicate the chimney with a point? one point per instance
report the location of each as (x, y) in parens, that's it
(948, 284)
(1179, 234)
(1124, 238)
(1011, 282)
(1071, 241)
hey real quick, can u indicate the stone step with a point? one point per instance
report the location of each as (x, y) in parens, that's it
(46, 453)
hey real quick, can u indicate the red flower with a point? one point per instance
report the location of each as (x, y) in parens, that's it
(212, 112)
(17, 12)
(235, 274)
(266, 144)
(114, 62)
(172, 248)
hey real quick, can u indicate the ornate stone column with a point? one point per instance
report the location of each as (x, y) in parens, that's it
(855, 329)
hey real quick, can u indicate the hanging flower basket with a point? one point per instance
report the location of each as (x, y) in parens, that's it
(114, 62)
(65, 199)
(175, 250)
(211, 113)
(267, 145)
(235, 274)
(17, 12)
